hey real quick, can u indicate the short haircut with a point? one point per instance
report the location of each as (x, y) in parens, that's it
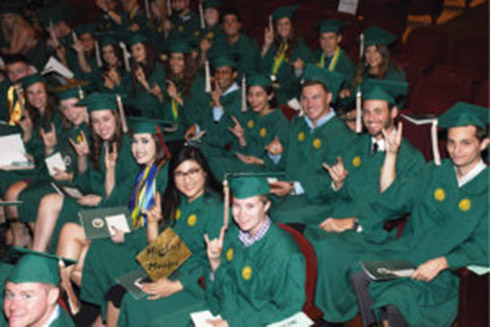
(230, 11)
(15, 58)
(311, 83)
(481, 133)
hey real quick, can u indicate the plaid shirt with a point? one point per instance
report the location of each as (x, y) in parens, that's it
(249, 240)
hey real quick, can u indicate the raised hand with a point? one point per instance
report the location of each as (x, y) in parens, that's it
(269, 35)
(281, 188)
(216, 94)
(191, 132)
(78, 46)
(157, 91)
(49, 138)
(275, 147)
(27, 126)
(214, 249)
(141, 78)
(393, 140)
(82, 149)
(110, 159)
(154, 215)
(172, 90)
(238, 131)
(337, 172)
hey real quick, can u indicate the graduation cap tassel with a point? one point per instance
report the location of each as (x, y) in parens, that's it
(56, 43)
(270, 20)
(169, 8)
(147, 9)
(122, 114)
(361, 46)
(125, 56)
(207, 77)
(74, 36)
(80, 93)
(226, 192)
(435, 147)
(358, 110)
(97, 53)
(244, 93)
(201, 16)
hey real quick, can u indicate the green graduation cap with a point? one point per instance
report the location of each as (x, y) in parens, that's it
(108, 40)
(377, 36)
(31, 79)
(70, 93)
(37, 267)
(247, 186)
(99, 101)
(137, 38)
(285, 11)
(179, 47)
(223, 60)
(259, 80)
(85, 29)
(212, 4)
(464, 114)
(331, 80)
(141, 125)
(331, 25)
(387, 90)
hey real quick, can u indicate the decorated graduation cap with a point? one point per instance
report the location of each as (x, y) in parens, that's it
(331, 80)
(285, 11)
(212, 4)
(464, 114)
(387, 90)
(331, 25)
(377, 36)
(259, 80)
(37, 267)
(85, 29)
(31, 79)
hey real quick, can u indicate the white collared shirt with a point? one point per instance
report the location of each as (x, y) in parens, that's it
(54, 315)
(471, 174)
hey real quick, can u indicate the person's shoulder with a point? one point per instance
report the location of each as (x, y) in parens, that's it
(282, 240)
(213, 199)
(408, 149)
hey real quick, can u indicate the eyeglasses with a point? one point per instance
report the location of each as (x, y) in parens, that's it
(192, 173)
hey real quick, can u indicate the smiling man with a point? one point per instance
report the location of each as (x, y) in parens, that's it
(32, 292)
(320, 136)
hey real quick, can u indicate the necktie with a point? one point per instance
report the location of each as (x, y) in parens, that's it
(374, 148)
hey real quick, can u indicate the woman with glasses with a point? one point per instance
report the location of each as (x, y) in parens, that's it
(192, 210)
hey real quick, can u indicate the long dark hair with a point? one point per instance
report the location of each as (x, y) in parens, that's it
(148, 66)
(97, 143)
(190, 70)
(269, 91)
(119, 54)
(291, 41)
(34, 114)
(172, 194)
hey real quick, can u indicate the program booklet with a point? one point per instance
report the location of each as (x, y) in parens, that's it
(100, 223)
(55, 163)
(385, 270)
(69, 191)
(164, 255)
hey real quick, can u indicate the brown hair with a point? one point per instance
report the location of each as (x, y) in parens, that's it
(34, 114)
(190, 70)
(97, 143)
(291, 41)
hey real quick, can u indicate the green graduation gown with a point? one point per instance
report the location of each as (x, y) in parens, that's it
(337, 251)
(245, 50)
(340, 63)
(147, 104)
(186, 27)
(259, 132)
(106, 260)
(305, 152)
(446, 220)
(289, 83)
(124, 87)
(202, 216)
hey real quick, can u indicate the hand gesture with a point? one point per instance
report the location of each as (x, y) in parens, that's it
(118, 236)
(78, 46)
(344, 93)
(250, 160)
(49, 138)
(429, 270)
(281, 188)
(172, 90)
(337, 172)
(141, 78)
(393, 140)
(102, 5)
(110, 159)
(216, 94)
(275, 147)
(154, 215)
(205, 45)
(337, 225)
(161, 288)
(61, 53)
(269, 35)
(214, 249)
(298, 64)
(82, 149)
(238, 131)
(191, 132)
(26, 125)
(90, 200)
(157, 91)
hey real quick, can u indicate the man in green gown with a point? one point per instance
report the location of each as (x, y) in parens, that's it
(448, 228)
(355, 180)
(32, 292)
(184, 23)
(318, 137)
